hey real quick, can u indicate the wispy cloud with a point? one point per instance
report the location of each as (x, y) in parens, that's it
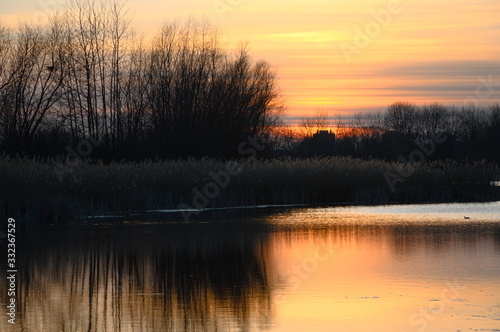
(432, 50)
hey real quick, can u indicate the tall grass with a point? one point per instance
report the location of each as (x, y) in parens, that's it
(29, 188)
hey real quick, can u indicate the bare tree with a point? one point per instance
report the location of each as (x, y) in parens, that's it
(284, 138)
(472, 123)
(204, 100)
(5, 48)
(432, 119)
(35, 84)
(134, 98)
(98, 34)
(401, 117)
(6, 74)
(493, 132)
(319, 121)
(82, 73)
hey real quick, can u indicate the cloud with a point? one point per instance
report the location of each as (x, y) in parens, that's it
(444, 69)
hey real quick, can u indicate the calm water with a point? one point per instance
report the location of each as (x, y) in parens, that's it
(389, 268)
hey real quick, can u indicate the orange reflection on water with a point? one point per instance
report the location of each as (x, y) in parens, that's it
(390, 276)
(321, 269)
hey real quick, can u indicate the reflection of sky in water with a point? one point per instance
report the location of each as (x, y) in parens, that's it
(423, 213)
(391, 268)
(388, 268)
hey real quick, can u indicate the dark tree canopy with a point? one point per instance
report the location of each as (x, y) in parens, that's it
(472, 133)
(85, 76)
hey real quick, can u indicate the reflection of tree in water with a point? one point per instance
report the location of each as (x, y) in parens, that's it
(408, 239)
(170, 278)
(405, 239)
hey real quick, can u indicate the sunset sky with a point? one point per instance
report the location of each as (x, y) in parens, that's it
(420, 51)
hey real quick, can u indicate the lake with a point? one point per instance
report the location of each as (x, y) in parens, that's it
(365, 268)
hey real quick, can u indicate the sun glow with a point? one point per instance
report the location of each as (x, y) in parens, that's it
(423, 52)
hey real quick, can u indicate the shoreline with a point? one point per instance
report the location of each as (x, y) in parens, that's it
(121, 214)
(32, 193)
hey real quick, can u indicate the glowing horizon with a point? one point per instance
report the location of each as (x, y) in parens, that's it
(407, 50)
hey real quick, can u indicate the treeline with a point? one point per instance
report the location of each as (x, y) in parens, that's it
(85, 81)
(86, 76)
(463, 133)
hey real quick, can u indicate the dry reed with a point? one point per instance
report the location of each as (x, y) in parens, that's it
(30, 190)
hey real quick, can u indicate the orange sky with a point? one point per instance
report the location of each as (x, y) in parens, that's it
(420, 51)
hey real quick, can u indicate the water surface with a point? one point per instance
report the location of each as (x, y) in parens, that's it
(383, 268)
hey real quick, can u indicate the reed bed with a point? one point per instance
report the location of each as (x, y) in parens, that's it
(31, 191)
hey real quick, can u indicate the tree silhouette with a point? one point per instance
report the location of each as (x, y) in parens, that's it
(84, 75)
